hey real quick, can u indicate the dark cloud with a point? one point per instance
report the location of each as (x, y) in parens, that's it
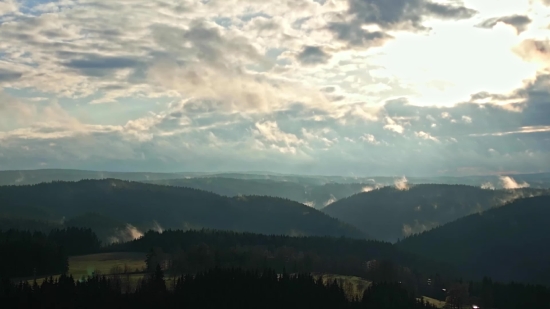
(537, 112)
(520, 22)
(97, 62)
(311, 55)
(357, 36)
(208, 43)
(95, 65)
(391, 15)
(7, 75)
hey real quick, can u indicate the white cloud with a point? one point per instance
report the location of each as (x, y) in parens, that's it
(281, 141)
(510, 183)
(369, 138)
(8, 6)
(391, 125)
(426, 136)
(522, 130)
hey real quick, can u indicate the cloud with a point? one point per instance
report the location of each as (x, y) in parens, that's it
(6, 75)
(390, 15)
(271, 133)
(509, 183)
(391, 125)
(537, 51)
(8, 6)
(312, 55)
(369, 138)
(522, 130)
(219, 85)
(487, 186)
(467, 119)
(95, 65)
(426, 136)
(519, 22)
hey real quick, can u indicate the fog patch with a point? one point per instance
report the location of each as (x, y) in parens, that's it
(417, 227)
(309, 203)
(367, 189)
(157, 227)
(20, 179)
(331, 200)
(487, 186)
(510, 183)
(401, 184)
(129, 233)
(516, 194)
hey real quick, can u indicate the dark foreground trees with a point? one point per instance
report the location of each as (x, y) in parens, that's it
(30, 254)
(215, 288)
(26, 254)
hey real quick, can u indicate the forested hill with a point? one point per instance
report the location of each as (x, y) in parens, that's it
(198, 250)
(315, 195)
(171, 207)
(506, 243)
(389, 214)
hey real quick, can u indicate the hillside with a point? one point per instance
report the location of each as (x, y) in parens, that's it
(389, 214)
(297, 254)
(315, 195)
(506, 243)
(143, 205)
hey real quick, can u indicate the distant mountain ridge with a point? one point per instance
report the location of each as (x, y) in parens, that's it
(22, 177)
(508, 243)
(142, 204)
(389, 213)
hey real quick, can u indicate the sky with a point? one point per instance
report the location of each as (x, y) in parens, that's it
(335, 87)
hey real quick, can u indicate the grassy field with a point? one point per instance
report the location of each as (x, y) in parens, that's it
(84, 265)
(353, 286)
(435, 302)
(104, 263)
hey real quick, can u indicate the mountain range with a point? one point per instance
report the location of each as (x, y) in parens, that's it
(390, 213)
(156, 206)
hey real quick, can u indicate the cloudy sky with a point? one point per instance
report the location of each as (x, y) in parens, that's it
(342, 87)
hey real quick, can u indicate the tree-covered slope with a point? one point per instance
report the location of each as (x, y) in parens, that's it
(506, 243)
(315, 195)
(171, 207)
(312, 254)
(389, 214)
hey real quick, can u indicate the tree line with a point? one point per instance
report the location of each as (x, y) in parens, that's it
(214, 288)
(26, 253)
(248, 250)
